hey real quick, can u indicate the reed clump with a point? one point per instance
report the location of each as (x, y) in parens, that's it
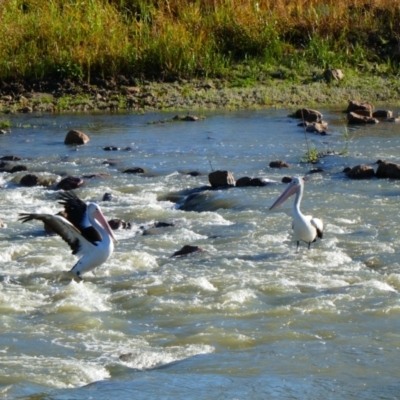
(170, 39)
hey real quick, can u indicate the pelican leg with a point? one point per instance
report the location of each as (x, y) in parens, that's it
(298, 244)
(78, 274)
(309, 245)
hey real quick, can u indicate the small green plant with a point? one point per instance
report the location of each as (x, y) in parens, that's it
(312, 156)
(347, 139)
(4, 124)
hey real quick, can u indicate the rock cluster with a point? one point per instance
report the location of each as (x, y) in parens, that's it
(364, 113)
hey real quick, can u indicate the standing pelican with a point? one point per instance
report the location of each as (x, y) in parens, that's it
(84, 228)
(305, 227)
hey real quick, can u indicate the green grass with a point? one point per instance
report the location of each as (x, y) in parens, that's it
(5, 124)
(244, 41)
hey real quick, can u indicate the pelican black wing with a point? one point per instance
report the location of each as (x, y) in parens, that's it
(76, 213)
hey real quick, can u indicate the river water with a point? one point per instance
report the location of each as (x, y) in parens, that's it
(249, 317)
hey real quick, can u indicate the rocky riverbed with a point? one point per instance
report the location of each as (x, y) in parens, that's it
(128, 94)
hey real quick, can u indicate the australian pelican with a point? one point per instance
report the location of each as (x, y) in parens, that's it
(306, 228)
(84, 228)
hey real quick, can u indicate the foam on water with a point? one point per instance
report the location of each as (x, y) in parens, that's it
(78, 297)
(152, 357)
(40, 370)
(248, 293)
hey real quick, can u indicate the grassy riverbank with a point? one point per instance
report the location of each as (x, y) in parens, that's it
(233, 43)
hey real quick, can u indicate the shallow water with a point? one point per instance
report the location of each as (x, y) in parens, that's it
(248, 317)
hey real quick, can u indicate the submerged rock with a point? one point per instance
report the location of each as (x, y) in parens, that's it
(117, 223)
(186, 118)
(30, 180)
(111, 148)
(388, 170)
(361, 172)
(157, 228)
(308, 115)
(279, 164)
(135, 170)
(69, 183)
(247, 181)
(107, 197)
(286, 179)
(354, 119)
(205, 201)
(18, 168)
(10, 158)
(382, 114)
(317, 127)
(187, 249)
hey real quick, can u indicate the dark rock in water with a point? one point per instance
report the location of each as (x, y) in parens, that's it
(76, 137)
(346, 170)
(95, 176)
(258, 182)
(193, 173)
(388, 170)
(246, 181)
(315, 170)
(243, 181)
(355, 106)
(69, 183)
(136, 170)
(190, 118)
(156, 228)
(205, 201)
(221, 178)
(181, 195)
(163, 224)
(355, 119)
(307, 114)
(107, 197)
(361, 172)
(278, 164)
(110, 148)
(110, 163)
(117, 223)
(286, 179)
(30, 180)
(126, 357)
(364, 113)
(10, 158)
(185, 118)
(195, 202)
(382, 114)
(317, 127)
(3, 164)
(187, 249)
(18, 168)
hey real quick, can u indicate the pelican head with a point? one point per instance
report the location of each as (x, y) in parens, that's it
(94, 210)
(295, 186)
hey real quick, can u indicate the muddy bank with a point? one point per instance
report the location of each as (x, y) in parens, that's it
(123, 94)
